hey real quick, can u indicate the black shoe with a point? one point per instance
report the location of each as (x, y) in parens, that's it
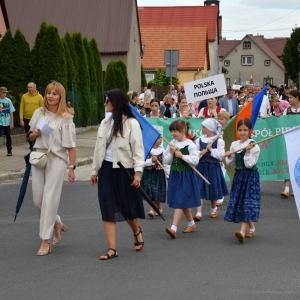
(9, 153)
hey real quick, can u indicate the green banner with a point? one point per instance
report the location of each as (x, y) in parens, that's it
(272, 163)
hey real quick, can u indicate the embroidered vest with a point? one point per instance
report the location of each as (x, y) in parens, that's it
(290, 112)
(207, 115)
(156, 166)
(239, 161)
(207, 156)
(178, 164)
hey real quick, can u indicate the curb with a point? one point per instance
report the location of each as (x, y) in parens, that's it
(19, 174)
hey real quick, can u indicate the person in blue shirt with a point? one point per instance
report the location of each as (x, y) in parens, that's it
(6, 118)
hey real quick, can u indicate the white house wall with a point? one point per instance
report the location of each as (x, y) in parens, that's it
(213, 56)
(260, 71)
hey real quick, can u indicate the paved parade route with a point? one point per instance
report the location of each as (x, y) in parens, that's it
(208, 263)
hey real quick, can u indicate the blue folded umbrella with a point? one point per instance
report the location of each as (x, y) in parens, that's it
(24, 184)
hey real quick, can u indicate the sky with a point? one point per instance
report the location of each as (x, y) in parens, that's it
(271, 18)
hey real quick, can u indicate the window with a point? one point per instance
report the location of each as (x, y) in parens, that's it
(247, 45)
(247, 60)
(267, 63)
(227, 82)
(226, 63)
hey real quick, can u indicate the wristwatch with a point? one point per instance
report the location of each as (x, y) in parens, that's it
(72, 167)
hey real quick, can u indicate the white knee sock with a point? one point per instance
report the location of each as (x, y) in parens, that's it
(192, 223)
(174, 228)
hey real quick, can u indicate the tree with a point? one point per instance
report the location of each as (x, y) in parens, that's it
(99, 75)
(83, 78)
(93, 79)
(143, 77)
(52, 63)
(290, 56)
(7, 60)
(71, 74)
(120, 63)
(22, 66)
(120, 80)
(35, 54)
(110, 77)
(161, 79)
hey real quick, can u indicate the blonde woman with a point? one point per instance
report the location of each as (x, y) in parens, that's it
(47, 182)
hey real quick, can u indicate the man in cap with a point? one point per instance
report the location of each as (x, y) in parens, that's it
(30, 101)
(6, 117)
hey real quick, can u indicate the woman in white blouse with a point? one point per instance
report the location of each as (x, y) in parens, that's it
(184, 109)
(47, 182)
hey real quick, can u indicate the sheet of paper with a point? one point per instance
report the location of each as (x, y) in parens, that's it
(45, 128)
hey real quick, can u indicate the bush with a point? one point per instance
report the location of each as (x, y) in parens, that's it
(7, 61)
(35, 54)
(52, 63)
(22, 65)
(143, 77)
(83, 78)
(120, 63)
(99, 76)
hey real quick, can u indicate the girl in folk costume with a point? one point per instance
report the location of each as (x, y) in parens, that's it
(212, 110)
(153, 181)
(244, 203)
(209, 166)
(183, 191)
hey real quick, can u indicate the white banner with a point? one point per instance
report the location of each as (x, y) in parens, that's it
(236, 87)
(205, 88)
(293, 155)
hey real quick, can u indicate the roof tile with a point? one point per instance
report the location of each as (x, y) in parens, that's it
(181, 16)
(191, 41)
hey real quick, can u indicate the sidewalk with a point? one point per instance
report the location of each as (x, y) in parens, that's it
(12, 167)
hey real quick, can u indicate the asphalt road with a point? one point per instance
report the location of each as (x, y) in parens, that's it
(206, 264)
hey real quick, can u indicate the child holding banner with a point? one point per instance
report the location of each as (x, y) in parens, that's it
(153, 181)
(183, 190)
(212, 150)
(244, 202)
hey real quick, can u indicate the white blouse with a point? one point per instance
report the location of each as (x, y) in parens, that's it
(192, 158)
(66, 137)
(249, 159)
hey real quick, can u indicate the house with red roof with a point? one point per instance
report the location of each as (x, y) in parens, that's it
(256, 55)
(193, 30)
(113, 23)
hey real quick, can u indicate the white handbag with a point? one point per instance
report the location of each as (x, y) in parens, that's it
(39, 159)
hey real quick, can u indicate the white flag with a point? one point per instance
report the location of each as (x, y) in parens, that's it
(293, 155)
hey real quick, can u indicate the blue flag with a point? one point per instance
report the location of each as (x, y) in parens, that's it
(149, 132)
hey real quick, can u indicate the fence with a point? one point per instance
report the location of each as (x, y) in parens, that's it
(15, 94)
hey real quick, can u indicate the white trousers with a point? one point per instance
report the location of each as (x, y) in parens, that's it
(46, 188)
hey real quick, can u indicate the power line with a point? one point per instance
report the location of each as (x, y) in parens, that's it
(259, 30)
(269, 22)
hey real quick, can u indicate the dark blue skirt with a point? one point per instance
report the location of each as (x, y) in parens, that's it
(244, 202)
(154, 184)
(183, 190)
(213, 173)
(118, 200)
